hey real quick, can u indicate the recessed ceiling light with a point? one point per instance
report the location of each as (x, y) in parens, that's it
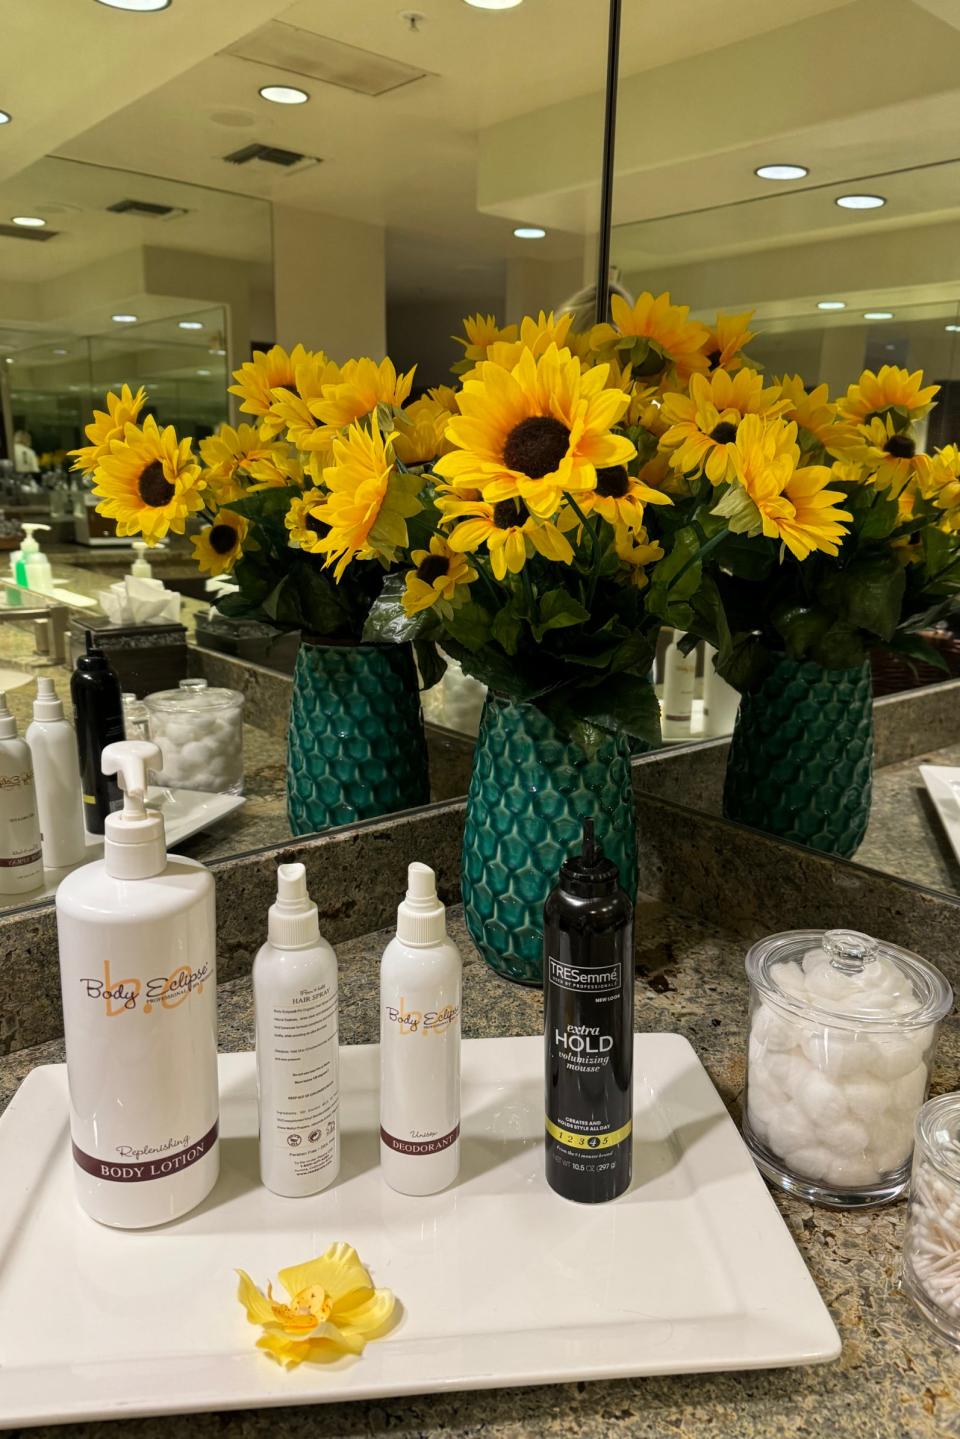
(781, 172)
(284, 94)
(5, 118)
(191, 324)
(124, 319)
(954, 329)
(831, 304)
(29, 222)
(529, 232)
(61, 352)
(141, 7)
(219, 352)
(494, 4)
(860, 202)
(878, 314)
(203, 372)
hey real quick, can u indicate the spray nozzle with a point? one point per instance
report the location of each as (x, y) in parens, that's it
(292, 922)
(591, 852)
(421, 917)
(128, 760)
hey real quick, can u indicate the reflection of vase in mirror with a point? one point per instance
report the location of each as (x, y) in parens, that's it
(356, 746)
(801, 758)
(530, 791)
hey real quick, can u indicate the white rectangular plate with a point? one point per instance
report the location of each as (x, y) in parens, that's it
(941, 781)
(502, 1282)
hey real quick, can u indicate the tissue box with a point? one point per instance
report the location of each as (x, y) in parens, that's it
(144, 657)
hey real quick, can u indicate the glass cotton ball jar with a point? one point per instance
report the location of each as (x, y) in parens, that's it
(842, 1034)
(200, 734)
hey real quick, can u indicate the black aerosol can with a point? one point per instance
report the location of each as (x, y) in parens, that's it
(98, 714)
(588, 1028)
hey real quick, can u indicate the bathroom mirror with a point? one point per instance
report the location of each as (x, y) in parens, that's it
(187, 221)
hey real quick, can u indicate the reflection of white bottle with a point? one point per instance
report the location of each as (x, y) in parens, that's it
(298, 1076)
(56, 766)
(679, 673)
(420, 999)
(720, 700)
(141, 568)
(21, 864)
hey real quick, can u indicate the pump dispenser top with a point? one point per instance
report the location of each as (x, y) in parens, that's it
(141, 567)
(292, 920)
(134, 845)
(8, 724)
(31, 546)
(421, 917)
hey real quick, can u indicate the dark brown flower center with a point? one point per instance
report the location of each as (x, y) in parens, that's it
(432, 568)
(536, 446)
(155, 489)
(713, 359)
(509, 514)
(901, 447)
(223, 539)
(724, 433)
(613, 482)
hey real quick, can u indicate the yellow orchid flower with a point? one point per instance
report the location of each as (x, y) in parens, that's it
(333, 1310)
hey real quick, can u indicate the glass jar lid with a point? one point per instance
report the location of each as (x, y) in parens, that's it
(193, 697)
(938, 1134)
(848, 979)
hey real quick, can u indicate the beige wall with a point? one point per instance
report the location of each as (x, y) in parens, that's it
(329, 283)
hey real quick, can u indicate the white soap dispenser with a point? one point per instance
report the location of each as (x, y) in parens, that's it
(141, 569)
(298, 1062)
(56, 768)
(30, 555)
(21, 863)
(420, 1001)
(137, 943)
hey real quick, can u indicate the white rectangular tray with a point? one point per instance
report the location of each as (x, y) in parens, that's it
(501, 1281)
(943, 786)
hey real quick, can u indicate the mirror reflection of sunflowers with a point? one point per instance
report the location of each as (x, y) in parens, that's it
(572, 492)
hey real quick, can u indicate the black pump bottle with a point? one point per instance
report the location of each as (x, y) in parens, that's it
(98, 714)
(588, 1028)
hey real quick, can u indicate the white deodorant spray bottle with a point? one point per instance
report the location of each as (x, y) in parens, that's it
(420, 999)
(298, 1069)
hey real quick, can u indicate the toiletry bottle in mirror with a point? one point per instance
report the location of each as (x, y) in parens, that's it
(53, 746)
(298, 1074)
(720, 700)
(679, 676)
(98, 714)
(420, 1001)
(21, 862)
(588, 1028)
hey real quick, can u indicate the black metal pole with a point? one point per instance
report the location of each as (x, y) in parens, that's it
(609, 146)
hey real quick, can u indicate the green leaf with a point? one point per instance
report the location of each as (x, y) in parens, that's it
(880, 519)
(387, 621)
(470, 626)
(679, 570)
(840, 648)
(800, 627)
(626, 702)
(430, 662)
(872, 588)
(267, 505)
(558, 610)
(746, 663)
(915, 647)
(506, 629)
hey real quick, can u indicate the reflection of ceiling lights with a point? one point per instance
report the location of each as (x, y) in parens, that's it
(831, 304)
(29, 222)
(61, 352)
(142, 7)
(191, 324)
(860, 202)
(954, 329)
(529, 232)
(5, 118)
(781, 172)
(284, 95)
(124, 319)
(218, 352)
(203, 372)
(494, 4)
(878, 314)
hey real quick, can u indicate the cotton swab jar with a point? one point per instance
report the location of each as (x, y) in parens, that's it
(842, 1034)
(931, 1244)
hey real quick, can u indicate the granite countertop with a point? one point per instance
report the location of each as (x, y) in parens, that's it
(905, 836)
(894, 1378)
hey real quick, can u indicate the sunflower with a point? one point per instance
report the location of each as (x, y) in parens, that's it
(230, 451)
(620, 497)
(149, 483)
(535, 431)
(654, 336)
(635, 550)
(295, 410)
(301, 519)
(509, 531)
(536, 335)
(943, 486)
(890, 456)
(726, 340)
(481, 331)
(446, 396)
(441, 579)
(889, 389)
(369, 500)
(816, 417)
(363, 385)
(281, 468)
(421, 432)
(702, 426)
(772, 496)
(259, 377)
(108, 425)
(218, 547)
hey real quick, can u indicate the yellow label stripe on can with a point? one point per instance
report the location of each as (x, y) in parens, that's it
(589, 1141)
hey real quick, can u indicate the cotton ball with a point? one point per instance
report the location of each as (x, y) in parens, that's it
(787, 1071)
(830, 984)
(763, 1105)
(851, 1171)
(813, 959)
(821, 1100)
(892, 1149)
(772, 1030)
(907, 1092)
(790, 1128)
(791, 978)
(834, 1051)
(809, 1161)
(891, 1055)
(867, 1097)
(850, 1136)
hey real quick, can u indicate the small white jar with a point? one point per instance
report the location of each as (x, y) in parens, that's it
(931, 1243)
(200, 734)
(842, 1034)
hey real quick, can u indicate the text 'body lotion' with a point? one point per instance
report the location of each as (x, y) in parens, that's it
(298, 1058)
(420, 998)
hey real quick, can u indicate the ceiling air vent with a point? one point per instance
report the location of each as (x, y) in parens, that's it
(303, 52)
(288, 160)
(17, 232)
(144, 207)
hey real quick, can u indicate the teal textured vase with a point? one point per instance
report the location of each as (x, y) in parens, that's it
(801, 757)
(355, 746)
(530, 792)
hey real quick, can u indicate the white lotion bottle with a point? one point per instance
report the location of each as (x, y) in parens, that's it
(56, 769)
(720, 700)
(679, 675)
(137, 942)
(298, 1057)
(21, 861)
(420, 1001)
